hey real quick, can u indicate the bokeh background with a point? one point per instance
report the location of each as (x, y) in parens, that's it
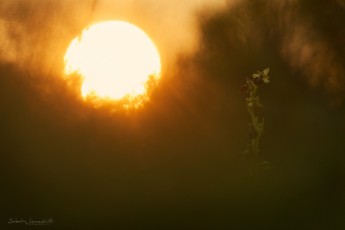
(177, 163)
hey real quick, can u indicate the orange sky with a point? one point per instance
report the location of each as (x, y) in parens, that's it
(52, 24)
(171, 24)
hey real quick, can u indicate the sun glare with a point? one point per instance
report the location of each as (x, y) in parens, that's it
(115, 59)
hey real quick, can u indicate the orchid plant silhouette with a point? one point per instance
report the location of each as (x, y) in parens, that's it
(256, 124)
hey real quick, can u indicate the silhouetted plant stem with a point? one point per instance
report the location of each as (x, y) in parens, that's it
(256, 124)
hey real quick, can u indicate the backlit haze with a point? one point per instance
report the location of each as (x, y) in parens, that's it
(178, 162)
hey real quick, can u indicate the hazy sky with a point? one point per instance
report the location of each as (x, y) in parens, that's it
(173, 24)
(34, 23)
(36, 33)
(178, 161)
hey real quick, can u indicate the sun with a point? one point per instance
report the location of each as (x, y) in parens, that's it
(115, 60)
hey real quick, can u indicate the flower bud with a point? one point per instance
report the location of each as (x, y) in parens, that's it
(257, 109)
(251, 78)
(260, 118)
(258, 81)
(244, 89)
(252, 132)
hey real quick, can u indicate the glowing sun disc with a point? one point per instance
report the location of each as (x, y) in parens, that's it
(115, 60)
